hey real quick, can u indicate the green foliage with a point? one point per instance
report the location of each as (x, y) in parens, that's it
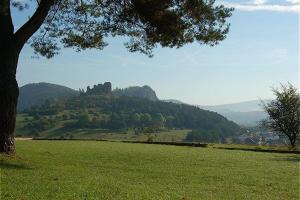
(79, 170)
(150, 138)
(121, 112)
(83, 119)
(168, 23)
(39, 125)
(284, 113)
(146, 119)
(159, 120)
(169, 121)
(116, 122)
(136, 119)
(139, 92)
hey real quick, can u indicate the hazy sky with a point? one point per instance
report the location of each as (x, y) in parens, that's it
(261, 50)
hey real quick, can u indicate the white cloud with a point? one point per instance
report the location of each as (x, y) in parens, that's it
(293, 1)
(259, 2)
(292, 6)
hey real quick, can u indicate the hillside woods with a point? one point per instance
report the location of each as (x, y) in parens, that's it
(134, 109)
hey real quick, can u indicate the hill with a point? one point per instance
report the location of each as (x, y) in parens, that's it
(145, 92)
(35, 94)
(249, 119)
(243, 113)
(113, 113)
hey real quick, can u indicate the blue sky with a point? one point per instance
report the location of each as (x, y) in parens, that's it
(261, 50)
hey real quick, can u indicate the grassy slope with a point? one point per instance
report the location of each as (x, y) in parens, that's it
(57, 131)
(103, 170)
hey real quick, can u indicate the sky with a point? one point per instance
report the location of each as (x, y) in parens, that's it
(261, 51)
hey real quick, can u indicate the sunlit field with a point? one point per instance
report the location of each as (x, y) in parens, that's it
(113, 170)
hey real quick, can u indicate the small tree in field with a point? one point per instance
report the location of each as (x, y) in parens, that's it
(84, 24)
(284, 113)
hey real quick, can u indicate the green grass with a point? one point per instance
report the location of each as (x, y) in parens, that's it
(254, 147)
(71, 170)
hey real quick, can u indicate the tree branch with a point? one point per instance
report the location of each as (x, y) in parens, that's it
(34, 23)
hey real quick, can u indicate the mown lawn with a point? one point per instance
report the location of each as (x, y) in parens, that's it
(71, 170)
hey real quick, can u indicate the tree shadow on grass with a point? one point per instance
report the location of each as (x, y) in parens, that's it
(7, 162)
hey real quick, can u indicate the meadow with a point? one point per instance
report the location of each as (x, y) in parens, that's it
(71, 170)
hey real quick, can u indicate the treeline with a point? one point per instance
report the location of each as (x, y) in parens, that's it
(209, 136)
(140, 122)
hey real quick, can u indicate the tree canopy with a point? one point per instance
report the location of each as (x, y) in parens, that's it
(284, 113)
(84, 24)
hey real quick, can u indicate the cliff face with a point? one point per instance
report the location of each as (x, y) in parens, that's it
(145, 92)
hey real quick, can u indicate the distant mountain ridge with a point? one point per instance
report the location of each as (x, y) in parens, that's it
(247, 113)
(251, 118)
(246, 106)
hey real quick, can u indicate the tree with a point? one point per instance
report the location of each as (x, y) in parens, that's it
(83, 24)
(83, 120)
(146, 119)
(169, 121)
(204, 136)
(284, 113)
(135, 119)
(159, 120)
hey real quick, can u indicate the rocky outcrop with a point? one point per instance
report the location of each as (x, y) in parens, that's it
(145, 92)
(105, 88)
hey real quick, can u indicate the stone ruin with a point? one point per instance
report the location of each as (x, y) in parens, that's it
(105, 88)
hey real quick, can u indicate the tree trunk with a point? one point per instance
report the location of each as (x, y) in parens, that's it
(9, 93)
(293, 143)
(11, 43)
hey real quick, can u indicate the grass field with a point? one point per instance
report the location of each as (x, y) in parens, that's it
(71, 170)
